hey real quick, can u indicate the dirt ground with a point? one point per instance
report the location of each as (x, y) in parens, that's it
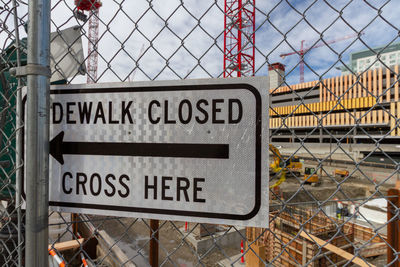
(294, 190)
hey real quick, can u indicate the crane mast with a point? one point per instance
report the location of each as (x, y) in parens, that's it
(92, 46)
(239, 38)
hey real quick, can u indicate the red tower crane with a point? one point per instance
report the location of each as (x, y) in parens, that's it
(239, 38)
(303, 50)
(92, 6)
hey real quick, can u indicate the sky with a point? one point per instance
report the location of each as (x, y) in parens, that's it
(184, 38)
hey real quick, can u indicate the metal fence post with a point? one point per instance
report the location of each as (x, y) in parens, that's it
(19, 141)
(37, 154)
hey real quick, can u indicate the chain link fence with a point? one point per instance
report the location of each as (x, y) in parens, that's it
(335, 134)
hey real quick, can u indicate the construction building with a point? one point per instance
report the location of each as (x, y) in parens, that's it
(356, 109)
(375, 58)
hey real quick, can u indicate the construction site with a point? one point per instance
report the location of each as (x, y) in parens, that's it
(333, 232)
(331, 196)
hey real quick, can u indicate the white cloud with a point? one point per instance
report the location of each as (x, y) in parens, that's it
(177, 34)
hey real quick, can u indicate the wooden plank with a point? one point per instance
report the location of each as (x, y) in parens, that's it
(255, 256)
(388, 85)
(321, 92)
(342, 253)
(335, 88)
(364, 85)
(363, 119)
(355, 86)
(375, 249)
(374, 116)
(380, 116)
(369, 82)
(352, 85)
(345, 87)
(396, 85)
(71, 244)
(341, 86)
(398, 116)
(380, 85)
(328, 91)
(386, 117)
(374, 83)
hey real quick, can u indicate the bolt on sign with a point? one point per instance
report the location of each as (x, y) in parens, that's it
(189, 150)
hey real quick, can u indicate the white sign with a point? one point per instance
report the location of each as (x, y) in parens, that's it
(192, 150)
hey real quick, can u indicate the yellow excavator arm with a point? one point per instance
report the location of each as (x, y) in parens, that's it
(275, 166)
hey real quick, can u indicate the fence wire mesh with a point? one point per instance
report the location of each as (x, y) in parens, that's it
(335, 133)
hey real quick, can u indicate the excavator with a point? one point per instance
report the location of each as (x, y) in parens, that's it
(278, 167)
(283, 168)
(310, 176)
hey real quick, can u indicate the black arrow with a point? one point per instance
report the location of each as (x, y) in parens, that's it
(58, 148)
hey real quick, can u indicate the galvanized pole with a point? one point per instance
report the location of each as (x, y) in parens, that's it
(19, 138)
(37, 132)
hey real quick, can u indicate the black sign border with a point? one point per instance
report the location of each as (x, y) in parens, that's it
(201, 87)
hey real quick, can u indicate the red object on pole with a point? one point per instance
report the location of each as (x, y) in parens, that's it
(303, 51)
(87, 5)
(186, 226)
(393, 230)
(239, 38)
(242, 252)
(92, 6)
